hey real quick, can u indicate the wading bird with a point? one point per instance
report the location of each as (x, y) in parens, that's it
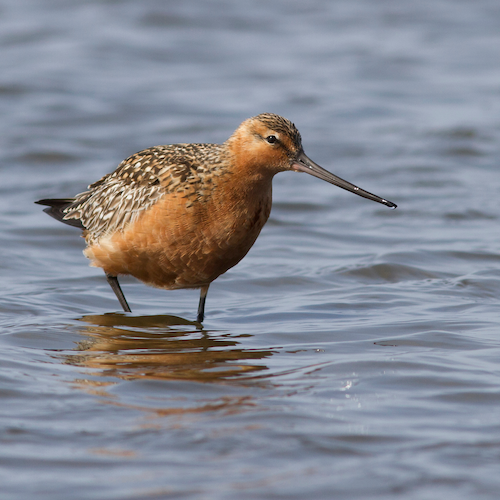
(179, 216)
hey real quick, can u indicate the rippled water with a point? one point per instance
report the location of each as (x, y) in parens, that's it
(354, 353)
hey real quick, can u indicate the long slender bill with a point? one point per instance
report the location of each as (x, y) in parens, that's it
(304, 164)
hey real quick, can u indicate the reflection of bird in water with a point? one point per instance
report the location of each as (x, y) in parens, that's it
(180, 216)
(159, 347)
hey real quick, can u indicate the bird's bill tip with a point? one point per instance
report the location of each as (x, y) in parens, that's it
(304, 164)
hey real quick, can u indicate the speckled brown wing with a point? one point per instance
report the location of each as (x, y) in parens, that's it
(140, 181)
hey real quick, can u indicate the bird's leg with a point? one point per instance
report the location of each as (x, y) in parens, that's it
(201, 305)
(113, 281)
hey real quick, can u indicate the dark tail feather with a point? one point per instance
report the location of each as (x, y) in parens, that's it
(56, 209)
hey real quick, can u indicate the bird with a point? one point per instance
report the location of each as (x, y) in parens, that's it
(178, 216)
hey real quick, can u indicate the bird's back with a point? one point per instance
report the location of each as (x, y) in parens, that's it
(139, 182)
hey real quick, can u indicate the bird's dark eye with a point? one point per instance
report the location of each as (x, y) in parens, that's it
(271, 139)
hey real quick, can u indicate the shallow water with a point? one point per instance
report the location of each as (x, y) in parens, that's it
(354, 353)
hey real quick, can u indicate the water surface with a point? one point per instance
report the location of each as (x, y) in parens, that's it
(354, 353)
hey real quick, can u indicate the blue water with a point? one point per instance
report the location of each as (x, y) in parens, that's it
(354, 353)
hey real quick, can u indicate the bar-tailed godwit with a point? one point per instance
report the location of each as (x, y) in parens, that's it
(179, 216)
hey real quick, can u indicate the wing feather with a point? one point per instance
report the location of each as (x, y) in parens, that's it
(117, 199)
